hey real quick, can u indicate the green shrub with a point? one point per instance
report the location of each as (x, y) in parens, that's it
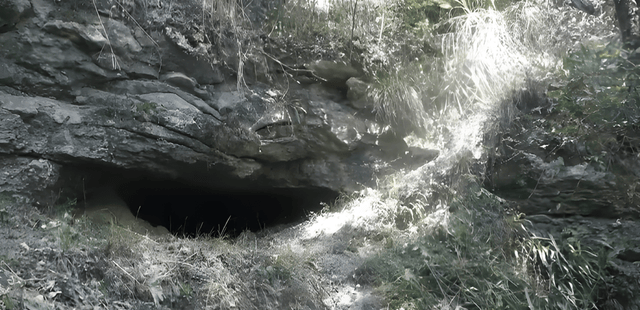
(186, 290)
(7, 302)
(397, 101)
(483, 258)
(415, 11)
(600, 88)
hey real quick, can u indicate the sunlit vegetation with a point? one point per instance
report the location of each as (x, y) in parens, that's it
(427, 242)
(600, 88)
(472, 56)
(483, 256)
(430, 63)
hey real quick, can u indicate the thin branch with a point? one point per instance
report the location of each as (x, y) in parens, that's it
(293, 69)
(127, 273)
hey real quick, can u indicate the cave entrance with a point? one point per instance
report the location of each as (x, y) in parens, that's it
(188, 210)
(224, 206)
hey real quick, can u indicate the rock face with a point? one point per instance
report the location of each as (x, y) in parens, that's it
(98, 91)
(580, 188)
(12, 12)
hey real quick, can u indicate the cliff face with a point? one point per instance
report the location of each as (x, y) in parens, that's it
(126, 86)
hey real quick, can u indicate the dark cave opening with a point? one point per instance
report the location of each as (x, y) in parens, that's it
(188, 210)
(223, 205)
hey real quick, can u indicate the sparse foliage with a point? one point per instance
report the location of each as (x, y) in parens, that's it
(601, 88)
(483, 256)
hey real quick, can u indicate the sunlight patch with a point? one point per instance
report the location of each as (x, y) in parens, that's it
(438, 217)
(360, 211)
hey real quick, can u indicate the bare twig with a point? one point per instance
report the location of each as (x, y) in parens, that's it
(143, 31)
(353, 27)
(293, 69)
(535, 187)
(114, 61)
(127, 273)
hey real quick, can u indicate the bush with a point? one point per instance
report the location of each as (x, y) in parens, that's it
(397, 102)
(483, 257)
(600, 88)
(414, 12)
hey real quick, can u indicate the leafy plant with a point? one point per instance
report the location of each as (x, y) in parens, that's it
(397, 101)
(483, 257)
(600, 88)
(5, 199)
(416, 11)
(8, 302)
(564, 276)
(11, 262)
(68, 236)
(282, 267)
(186, 290)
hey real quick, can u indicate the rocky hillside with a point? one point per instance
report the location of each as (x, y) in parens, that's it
(149, 88)
(225, 155)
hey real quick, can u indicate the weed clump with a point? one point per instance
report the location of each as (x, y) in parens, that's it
(485, 257)
(600, 88)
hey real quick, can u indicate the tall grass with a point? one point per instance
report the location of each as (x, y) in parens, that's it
(431, 75)
(485, 55)
(484, 257)
(307, 20)
(396, 101)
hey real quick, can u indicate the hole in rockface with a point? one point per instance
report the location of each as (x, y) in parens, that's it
(189, 210)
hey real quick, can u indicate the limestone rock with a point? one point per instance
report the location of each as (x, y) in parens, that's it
(179, 80)
(31, 178)
(546, 173)
(180, 56)
(227, 101)
(333, 72)
(42, 8)
(12, 11)
(357, 93)
(9, 73)
(131, 99)
(79, 34)
(121, 38)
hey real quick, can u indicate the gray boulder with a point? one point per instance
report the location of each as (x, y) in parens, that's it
(146, 105)
(357, 93)
(12, 11)
(333, 72)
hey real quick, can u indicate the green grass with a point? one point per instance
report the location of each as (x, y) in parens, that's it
(397, 101)
(186, 290)
(146, 107)
(483, 257)
(8, 303)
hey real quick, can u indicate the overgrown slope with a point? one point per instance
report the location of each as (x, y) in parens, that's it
(472, 85)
